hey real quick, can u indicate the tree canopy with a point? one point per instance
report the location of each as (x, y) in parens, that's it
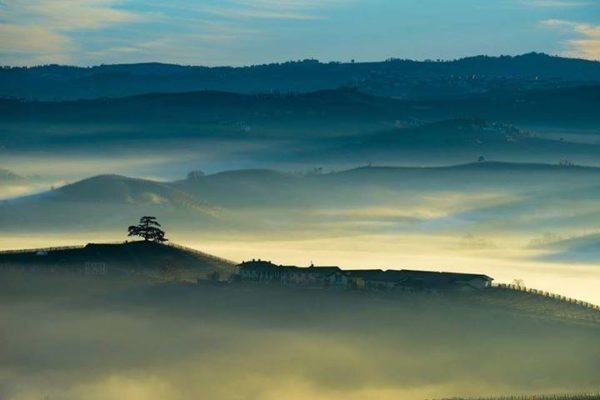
(149, 229)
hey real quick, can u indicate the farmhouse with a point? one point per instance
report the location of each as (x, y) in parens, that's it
(367, 279)
(314, 276)
(259, 271)
(288, 275)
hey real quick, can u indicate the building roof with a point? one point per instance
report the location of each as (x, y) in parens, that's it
(454, 276)
(368, 274)
(405, 275)
(324, 269)
(257, 265)
(311, 270)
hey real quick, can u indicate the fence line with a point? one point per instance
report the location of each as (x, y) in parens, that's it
(79, 247)
(46, 249)
(589, 396)
(547, 295)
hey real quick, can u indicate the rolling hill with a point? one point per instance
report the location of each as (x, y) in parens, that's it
(117, 189)
(127, 258)
(205, 106)
(507, 195)
(396, 78)
(261, 187)
(330, 127)
(575, 104)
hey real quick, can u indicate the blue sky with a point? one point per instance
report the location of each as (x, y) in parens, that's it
(242, 32)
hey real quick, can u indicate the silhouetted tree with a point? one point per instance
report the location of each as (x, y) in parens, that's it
(149, 229)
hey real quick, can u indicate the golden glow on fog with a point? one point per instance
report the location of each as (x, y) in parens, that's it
(503, 258)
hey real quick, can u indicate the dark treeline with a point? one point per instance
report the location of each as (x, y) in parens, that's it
(394, 77)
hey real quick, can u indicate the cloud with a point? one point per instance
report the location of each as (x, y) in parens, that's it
(69, 15)
(100, 31)
(38, 31)
(586, 40)
(274, 9)
(556, 3)
(33, 43)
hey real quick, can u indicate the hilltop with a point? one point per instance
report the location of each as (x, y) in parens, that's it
(393, 78)
(138, 257)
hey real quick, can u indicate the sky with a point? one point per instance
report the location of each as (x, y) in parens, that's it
(245, 32)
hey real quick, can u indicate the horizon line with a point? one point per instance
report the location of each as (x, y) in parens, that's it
(302, 60)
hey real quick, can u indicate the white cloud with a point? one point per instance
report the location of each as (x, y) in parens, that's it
(41, 31)
(70, 15)
(50, 31)
(586, 41)
(31, 39)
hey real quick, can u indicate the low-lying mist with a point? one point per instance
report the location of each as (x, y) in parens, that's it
(81, 338)
(508, 226)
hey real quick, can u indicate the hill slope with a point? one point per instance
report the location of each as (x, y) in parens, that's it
(129, 257)
(484, 193)
(123, 190)
(574, 103)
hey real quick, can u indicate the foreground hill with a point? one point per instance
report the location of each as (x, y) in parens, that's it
(398, 78)
(146, 258)
(222, 342)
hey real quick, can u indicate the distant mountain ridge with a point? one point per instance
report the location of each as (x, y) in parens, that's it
(391, 78)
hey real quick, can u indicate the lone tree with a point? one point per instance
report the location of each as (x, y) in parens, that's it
(149, 229)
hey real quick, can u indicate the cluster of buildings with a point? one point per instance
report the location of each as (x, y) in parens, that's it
(265, 272)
